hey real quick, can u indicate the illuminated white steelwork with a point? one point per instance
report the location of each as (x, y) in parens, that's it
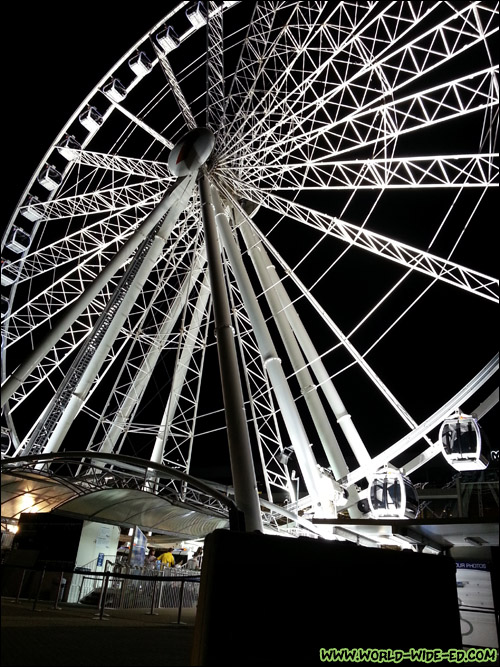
(345, 134)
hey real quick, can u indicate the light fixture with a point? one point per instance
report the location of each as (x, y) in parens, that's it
(475, 541)
(431, 550)
(284, 455)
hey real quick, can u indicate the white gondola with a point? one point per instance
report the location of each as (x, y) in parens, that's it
(69, 148)
(19, 240)
(115, 90)
(5, 441)
(9, 272)
(461, 444)
(140, 64)
(167, 39)
(392, 495)
(197, 15)
(91, 119)
(50, 178)
(29, 209)
(5, 305)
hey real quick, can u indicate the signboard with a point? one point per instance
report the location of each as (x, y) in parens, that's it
(104, 536)
(473, 565)
(476, 605)
(100, 560)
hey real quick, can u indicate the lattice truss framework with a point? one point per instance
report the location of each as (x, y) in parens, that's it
(307, 98)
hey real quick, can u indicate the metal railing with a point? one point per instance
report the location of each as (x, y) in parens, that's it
(174, 588)
(141, 588)
(161, 589)
(82, 586)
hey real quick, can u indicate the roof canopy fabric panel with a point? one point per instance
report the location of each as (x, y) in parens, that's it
(123, 507)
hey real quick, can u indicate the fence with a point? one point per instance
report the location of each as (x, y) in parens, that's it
(167, 588)
(160, 589)
(82, 586)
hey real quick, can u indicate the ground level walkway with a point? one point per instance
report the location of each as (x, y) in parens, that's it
(74, 635)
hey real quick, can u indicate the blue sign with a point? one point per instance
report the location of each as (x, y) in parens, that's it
(100, 559)
(472, 565)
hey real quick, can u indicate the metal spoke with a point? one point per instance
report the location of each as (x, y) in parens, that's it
(387, 248)
(440, 171)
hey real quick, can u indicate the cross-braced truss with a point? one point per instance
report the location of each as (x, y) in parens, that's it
(354, 161)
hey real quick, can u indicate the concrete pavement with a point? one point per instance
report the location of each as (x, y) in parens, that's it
(74, 635)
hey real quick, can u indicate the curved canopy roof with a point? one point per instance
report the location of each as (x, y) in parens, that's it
(110, 489)
(123, 507)
(131, 507)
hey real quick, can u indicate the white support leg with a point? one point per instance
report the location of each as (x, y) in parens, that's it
(320, 488)
(268, 280)
(314, 359)
(242, 467)
(79, 395)
(181, 367)
(139, 385)
(175, 200)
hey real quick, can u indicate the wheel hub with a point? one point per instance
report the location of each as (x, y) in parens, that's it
(191, 152)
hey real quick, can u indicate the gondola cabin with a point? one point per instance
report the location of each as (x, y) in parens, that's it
(115, 90)
(5, 305)
(19, 240)
(167, 39)
(392, 495)
(461, 444)
(10, 272)
(50, 178)
(5, 441)
(140, 64)
(91, 119)
(29, 209)
(69, 148)
(197, 15)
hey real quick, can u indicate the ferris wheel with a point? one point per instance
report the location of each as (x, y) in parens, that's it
(344, 156)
